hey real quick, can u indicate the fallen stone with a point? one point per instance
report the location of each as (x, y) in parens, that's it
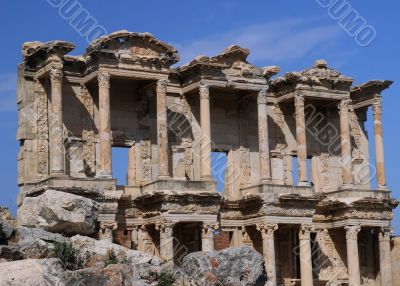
(4, 214)
(114, 274)
(229, 267)
(59, 212)
(33, 272)
(37, 243)
(88, 246)
(7, 228)
(10, 253)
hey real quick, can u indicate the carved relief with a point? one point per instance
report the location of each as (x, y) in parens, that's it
(42, 129)
(188, 153)
(244, 166)
(145, 146)
(88, 135)
(324, 158)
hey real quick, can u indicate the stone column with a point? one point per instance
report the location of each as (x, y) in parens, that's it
(205, 124)
(353, 263)
(166, 241)
(306, 271)
(267, 233)
(378, 140)
(384, 257)
(105, 125)
(162, 129)
(301, 140)
(263, 142)
(135, 238)
(345, 143)
(207, 237)
(131, 180)
(57, 148)
(106, 230)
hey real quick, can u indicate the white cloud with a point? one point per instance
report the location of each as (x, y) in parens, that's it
(268, 42)
(8, 87)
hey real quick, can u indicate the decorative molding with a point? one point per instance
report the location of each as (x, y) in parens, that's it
(352, 231)
(104, 79)
(267, 230)
(262, 96)
(204, 90)
(56, 75)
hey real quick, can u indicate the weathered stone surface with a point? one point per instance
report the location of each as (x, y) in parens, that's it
(9, 252)
(232, 266)
(4, 214)
(33, 272)
(395, 255)
(59, 212)
(101, 247)
(8, 228)
(114, 274)
(36, 242)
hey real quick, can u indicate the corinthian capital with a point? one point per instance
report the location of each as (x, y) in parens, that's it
(162, 85)
(262, 96)
(305, 231)
(267, 229)
(104, 79)
(56, 75)
(299, 100)
(204, 91)
(352, 231)
(385, 233)
(344, 105)
(377, 105)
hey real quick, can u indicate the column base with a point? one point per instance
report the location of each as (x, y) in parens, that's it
(303, 184)
(346, 186)
(57, 173)
(105, 174)
(163, 177)
(382, 188)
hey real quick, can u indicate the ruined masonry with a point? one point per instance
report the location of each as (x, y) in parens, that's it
(297, 182)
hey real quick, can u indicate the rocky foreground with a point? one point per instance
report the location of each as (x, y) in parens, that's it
(35, 256)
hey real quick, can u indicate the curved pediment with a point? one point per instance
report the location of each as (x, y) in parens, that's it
(134, 47)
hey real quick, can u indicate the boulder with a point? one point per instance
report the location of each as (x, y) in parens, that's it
(7, 228)
(88, 247)
(114, 274)
(9, 253)
(59, 212)
(33, 272)
(232, 266)
(36, 242)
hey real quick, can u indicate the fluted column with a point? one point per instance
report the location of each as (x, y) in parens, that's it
(353, 263)
(57, 149)
(385, 257)
(301, 140)
(207, 236)
(205, 124)
(378, 140)
(345, 143)
(162, 129)
(267, 233)
(166, 241)
(131, 180)
(263, 142)
(105, 125)
(306, 271)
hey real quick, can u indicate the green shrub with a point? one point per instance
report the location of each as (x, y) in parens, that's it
(111, 257)
(165, 279)
(67, 254)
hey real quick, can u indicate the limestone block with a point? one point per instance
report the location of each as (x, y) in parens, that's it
(34, 272)
(60, 212)
(101, 247)
(231, 266)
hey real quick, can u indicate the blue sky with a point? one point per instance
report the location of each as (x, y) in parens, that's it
(290, 34)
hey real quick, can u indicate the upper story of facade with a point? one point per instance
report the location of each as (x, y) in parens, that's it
(303, 132)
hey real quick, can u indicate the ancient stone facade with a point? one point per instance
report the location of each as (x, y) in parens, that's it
(297, 181)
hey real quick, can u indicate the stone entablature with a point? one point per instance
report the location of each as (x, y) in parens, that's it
(123, 93)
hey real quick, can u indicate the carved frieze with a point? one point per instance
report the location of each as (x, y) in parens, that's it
(42, 129)
(145, 149)
(88, 135)
(244, 166)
